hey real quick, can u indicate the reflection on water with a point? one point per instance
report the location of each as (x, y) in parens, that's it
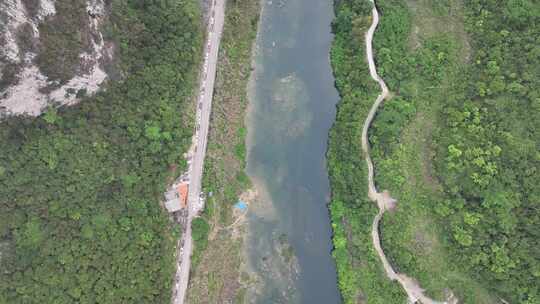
(292, 108)
(287, 111)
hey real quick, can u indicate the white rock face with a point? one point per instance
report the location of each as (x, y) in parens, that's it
(14, 16)
(11, 49)
(47, 8)
(96, 7)
(25, 97)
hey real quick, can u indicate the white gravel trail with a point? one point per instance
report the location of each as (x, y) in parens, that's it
(384, 202)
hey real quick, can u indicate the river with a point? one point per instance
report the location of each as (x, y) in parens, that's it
(292, 107)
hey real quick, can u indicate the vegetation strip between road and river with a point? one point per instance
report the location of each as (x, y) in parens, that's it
(216, 263)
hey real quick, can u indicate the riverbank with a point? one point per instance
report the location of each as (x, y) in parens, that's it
(215, 277)
(360, 272)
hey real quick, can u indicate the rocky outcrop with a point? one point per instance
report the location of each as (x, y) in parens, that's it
(38, 37)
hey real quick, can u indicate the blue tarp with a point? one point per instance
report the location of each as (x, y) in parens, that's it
(241, 205)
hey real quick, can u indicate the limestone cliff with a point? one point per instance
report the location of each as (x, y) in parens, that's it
(52, 52)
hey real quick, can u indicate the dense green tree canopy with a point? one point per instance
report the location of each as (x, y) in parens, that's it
(80, 186)
(486, 137)
(489, 159)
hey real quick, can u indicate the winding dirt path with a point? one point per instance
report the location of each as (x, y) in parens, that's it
(383, 199)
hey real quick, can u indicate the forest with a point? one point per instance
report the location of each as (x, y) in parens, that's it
(488, 158)
(360, 273)
(80, 186)
(457, 145)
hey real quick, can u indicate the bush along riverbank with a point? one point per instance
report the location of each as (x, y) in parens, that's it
(217, 254)
(80, 186)
(360, 272)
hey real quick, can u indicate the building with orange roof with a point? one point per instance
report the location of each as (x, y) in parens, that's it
(183, 190)
(176, 197)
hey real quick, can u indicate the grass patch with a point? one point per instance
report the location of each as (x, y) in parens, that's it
(431, 18)
(216, 278)
(200, 230)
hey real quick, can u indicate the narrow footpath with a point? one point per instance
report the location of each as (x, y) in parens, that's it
(384, 202)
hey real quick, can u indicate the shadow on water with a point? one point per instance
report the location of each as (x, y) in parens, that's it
(292, 108)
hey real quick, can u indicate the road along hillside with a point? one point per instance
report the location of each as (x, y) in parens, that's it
(204, 107)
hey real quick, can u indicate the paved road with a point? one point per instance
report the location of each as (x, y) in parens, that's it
(203, 119)
(384, 202)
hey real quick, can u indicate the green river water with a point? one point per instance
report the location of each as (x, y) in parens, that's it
(292, 108)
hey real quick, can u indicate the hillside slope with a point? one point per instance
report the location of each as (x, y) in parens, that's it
(456, 146)
(80, 186)
(53, 52)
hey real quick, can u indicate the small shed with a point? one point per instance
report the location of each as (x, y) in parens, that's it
(173, 205)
